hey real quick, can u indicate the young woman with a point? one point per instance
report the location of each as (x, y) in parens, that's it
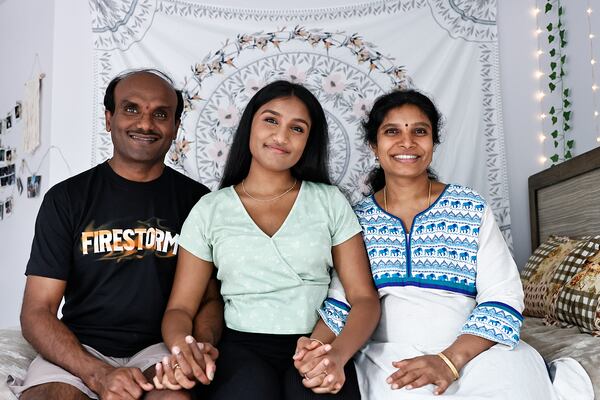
(272, 233)
(450, 291)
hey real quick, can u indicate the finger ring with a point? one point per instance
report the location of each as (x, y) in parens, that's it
(324, 372)
(176, 365)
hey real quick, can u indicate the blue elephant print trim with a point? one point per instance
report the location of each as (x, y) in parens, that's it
(438, 252)
(495, 321)
(334, 313)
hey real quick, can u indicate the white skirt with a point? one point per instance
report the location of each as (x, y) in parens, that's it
(417, 321)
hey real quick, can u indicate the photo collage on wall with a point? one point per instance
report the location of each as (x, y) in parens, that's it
(8, 160)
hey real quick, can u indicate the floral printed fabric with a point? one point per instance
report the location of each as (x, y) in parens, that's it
(347, 55)
(539, 286)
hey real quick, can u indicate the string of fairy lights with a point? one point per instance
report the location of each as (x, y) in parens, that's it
(539, 74)
(593, 67)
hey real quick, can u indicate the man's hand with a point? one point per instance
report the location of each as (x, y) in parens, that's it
(121, 383)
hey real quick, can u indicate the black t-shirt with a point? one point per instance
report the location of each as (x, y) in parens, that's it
(114, 242)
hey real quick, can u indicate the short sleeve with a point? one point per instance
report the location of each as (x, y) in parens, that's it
(53, 241)
(497, 316)
(195, 232)
(344, 223)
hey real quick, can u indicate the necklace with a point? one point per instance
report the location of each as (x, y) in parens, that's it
(272, 198)
(385, 197)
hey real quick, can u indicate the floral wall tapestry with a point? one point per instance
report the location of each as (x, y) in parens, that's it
(347, 56)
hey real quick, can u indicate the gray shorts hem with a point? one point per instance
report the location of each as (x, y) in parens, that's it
(72, 380)
(42, 371)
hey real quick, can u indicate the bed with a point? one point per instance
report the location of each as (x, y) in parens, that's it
(564, 201)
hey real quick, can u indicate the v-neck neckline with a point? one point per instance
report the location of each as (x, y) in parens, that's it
(255, 225)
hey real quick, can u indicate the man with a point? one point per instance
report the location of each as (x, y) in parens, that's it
(106, 240)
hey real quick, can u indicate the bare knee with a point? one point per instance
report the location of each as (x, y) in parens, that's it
(53, 391)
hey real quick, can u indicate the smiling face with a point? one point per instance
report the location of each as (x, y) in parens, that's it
(143, 124)
(404, 142)
(279, 133)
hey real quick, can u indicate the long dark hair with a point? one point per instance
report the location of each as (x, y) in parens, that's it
(312, 166)
(387, 102)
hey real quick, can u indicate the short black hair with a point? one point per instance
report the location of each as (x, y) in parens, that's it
(109, 95)
(312, 165)
(381, 107)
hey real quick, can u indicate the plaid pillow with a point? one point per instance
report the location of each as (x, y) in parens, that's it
(537, 276)
(540, 254)
(578, 301)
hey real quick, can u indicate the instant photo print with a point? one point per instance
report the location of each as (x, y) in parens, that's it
(19, 185)
(18, 109)
(8, 207)
(33, 186)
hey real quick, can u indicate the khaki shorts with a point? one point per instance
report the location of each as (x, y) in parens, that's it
(41, 371)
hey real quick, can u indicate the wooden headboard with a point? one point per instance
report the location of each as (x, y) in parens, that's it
(565, 199)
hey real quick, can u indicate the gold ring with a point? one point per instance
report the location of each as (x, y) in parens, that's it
(176, 366)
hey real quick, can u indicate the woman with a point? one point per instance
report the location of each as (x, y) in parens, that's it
(272, 233)
(450, 292)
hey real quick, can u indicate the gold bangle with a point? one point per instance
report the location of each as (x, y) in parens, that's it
(317, 340)
(450, 365)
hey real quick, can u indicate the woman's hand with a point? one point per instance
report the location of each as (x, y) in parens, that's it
(321, 366)
(190, 361)
(307, 349)
(168, 378)
(420, 371)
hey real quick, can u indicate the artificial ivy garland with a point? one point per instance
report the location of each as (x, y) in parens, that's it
(563, 114)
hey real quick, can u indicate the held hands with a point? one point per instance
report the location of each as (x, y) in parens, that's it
(320, 365)
(122, 383)
(189, 363)
(419, 371)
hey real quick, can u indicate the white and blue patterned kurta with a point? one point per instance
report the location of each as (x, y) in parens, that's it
(448, 275)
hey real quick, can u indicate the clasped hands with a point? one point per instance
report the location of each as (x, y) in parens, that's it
(190, 362)
(320, 365)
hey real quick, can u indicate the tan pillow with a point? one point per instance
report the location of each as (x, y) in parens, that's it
(538, 275)
(578, 301)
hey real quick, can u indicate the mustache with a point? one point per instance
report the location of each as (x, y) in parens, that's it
(144, 132)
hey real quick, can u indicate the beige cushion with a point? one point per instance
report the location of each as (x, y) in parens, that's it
(540, 283)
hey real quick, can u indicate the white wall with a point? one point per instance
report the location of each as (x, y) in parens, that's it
(518, 44)
(60, 32)
(520, 109)
(26, 28)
